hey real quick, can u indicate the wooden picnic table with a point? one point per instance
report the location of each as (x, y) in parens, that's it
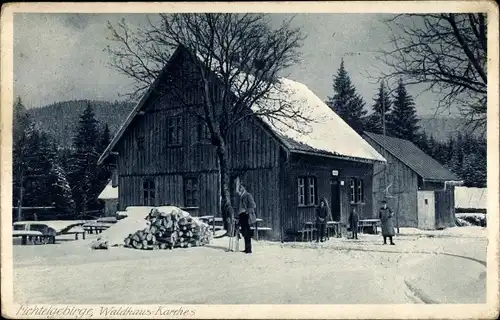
(257, 228)
(98, 227)
(28, 235)
(211, 220)
(372, 223)
(76, 231)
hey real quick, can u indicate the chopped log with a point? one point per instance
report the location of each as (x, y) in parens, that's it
(136, 237)
(135, 244)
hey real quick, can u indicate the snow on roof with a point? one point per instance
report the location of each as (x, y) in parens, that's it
(109, 192)
(474, 198)
(322, 132)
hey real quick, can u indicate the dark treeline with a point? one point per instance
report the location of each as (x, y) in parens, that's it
(394, 112)
(47, 173)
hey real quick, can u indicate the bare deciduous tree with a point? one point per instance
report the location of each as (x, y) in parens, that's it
(447, 53)
(239, 52)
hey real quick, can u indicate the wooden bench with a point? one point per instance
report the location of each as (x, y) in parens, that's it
(334, 228)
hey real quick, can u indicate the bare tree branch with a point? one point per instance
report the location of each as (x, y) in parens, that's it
(446, 53)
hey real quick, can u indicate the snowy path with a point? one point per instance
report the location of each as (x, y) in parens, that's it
(337, 272)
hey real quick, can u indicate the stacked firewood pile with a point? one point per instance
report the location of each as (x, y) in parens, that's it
(168, 231)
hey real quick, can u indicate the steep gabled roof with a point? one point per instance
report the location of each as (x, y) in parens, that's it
(326, 134)
(417, 160)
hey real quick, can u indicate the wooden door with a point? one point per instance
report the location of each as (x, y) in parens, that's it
(335, 198)
(426, 210)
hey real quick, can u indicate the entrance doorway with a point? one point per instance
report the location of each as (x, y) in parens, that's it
(335, 199)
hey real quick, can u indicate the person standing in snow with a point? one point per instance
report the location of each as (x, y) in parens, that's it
(247, 216)
(385, 215)
(322, 212)
(353, 222)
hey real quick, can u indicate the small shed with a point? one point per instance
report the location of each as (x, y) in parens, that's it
(416, 186)
(109, 195)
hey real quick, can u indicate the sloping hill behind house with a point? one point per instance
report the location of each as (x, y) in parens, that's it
(60, 119)
(441, 128)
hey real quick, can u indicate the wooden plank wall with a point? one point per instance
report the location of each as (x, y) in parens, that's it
(445, 208)
(263, 185)
(321, 168)
(404, 187)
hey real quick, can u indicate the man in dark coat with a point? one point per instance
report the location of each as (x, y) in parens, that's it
(353, 222)
(385, 215)
(322, 212)
(247, 216)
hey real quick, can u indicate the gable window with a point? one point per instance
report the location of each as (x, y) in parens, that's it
(148, 188)
(191, 192)
(357, 190)
(140, 142)
(174, 131)
(307, 191)
(202, 132)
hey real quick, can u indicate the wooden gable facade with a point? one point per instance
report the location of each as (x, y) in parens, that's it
(163, 157)
(410, 176)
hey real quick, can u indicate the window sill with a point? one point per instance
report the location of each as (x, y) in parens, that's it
(203, 143)
(305, 206)
(357, 203)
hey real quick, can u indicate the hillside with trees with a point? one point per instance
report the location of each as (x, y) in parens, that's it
(59, 175)
(59, 119)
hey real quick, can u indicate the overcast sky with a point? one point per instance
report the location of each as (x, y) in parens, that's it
(60, 57)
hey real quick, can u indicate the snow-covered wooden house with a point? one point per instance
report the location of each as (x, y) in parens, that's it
(163, 157)
(418, 187)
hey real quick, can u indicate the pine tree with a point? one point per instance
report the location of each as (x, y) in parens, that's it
(84, 174)
(105, 138)
(403, 121)
(381, 111)
(61, 196)
(105, 169)
(346, 102)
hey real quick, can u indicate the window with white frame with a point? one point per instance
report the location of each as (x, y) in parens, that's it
(311, 190)
(301, 191)
(356, 190)
(306, 190)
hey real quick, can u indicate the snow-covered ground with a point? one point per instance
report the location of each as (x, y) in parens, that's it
(445, 266)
